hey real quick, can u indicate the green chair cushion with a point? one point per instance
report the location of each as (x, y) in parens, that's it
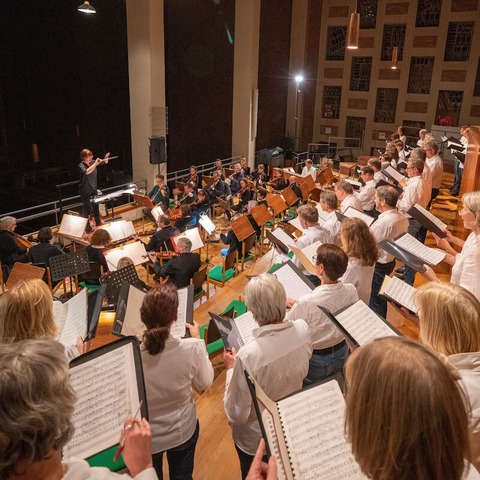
(214, 347)
(239, 307)
(198, 293)
(215, 274)
(90, 288)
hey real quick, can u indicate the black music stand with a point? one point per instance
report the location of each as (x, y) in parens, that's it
(69, 265)
(114, 281)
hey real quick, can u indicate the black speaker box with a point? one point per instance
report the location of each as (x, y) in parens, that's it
(158, 152)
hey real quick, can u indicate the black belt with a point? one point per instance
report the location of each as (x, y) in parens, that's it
(324, 351)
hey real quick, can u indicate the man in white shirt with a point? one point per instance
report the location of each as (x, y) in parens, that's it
(277, 358)
(421, 137)
(330, 348)
(435, 164)
(344, 193)
(309, 170)
(389, 225)
(329, 203)
(376, 164)
(367, 193)
(415, 192)
(420, 154)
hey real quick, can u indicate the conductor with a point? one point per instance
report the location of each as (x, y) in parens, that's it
(87, 170)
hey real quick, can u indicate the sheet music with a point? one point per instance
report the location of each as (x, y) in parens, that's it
(135, 250)
(106, 389)
(363, 324)
(268, 424)
(394, 173)
(245, 325)
(156, 212)
(72, 225)
(305, 255)
(294, 286)
(206, 222)
(178, 327)
(283, 237)
(296, 223)
(412, 245)
(400, 292)
(119, 230)
(132, 323)
(351, 212)
(313, 422)
(71, 318)
(194, 235)
(442, 226)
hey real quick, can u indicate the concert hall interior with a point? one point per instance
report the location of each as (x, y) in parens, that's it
(242, 199)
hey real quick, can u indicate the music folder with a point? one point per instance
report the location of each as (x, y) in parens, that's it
(398, 292)
(382, 183)
(305, 431)
(395, 175)
(359, 324)
(109, 386)
(127, 315)
(351, 212)
(428, 220)
(236, 332)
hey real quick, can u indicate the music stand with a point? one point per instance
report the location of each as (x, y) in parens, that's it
(242, 227)
(305, 191)
(289, 196)
(309, 181)
(114, 281)
(315, 195)
(208, 228)
(143, 200)
(261, 215)
(208, 180)
(69, 265)
(277, 203)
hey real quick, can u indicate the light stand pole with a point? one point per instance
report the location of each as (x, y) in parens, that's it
(298, 81)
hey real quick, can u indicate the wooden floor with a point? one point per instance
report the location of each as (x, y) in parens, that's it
(215, 453)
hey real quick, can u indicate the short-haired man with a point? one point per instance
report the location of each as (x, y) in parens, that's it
(161, 238)
(277, 358)
(435, 164)
(235, 178)
(189, 195)
(376, 164)
(179, 270)
(329, 204)
(330, 349)
(259, 176)
(218, 167)
(344, 193)
(160, 195)
(390, 223)
(308, 169)
(367, 192)
(219, 189)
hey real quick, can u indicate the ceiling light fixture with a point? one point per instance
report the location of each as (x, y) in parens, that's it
(86, 8)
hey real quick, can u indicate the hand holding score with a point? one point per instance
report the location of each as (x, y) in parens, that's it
(229, 358)
(261, 470)
(137, 441)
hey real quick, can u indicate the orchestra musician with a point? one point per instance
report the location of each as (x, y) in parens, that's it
(278, 182)
(294, 186)
(87, 169)
(162, 237)
(244, 166)
(219, 189)
(160, 195)
(244, 195)
(193, 177)
(235, 178)
(218, 167)
(260, 177)
(308, 169)
(44, 250)
(189, 195)
(201, 205)
(185, 218)
(10, 250)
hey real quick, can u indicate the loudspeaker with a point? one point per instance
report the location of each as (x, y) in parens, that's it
(158, 153)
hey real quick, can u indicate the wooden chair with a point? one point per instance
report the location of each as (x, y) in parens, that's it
(247, 245)
(199, 278)
(212, 338)
(23, 271)
(221, 274)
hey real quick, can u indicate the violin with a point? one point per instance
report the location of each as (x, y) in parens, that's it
(22, 241)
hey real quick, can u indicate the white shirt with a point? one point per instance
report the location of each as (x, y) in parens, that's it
(468, 364)
(414, 192)
(435, 164)
(332, 225)
(389, 224)
(78, 469)
(312, 234)
(428, 179)
(367, 195)
(309, 171)
(169, 376)
(351, 201)
(465, 270)
(377, 176)
(278, 360)
(334, 297)
(360, 276)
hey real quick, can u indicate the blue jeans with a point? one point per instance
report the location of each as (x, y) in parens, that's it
(246, 461)
(458, 176)
(413, 230)
(321, 366)
(377, 303)
(180, 459)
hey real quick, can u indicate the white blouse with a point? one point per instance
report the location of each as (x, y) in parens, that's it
(467, 262)
(359, 276)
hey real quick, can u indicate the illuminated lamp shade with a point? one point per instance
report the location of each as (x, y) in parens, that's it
(86, 8)
(394, 58)
(353, 31)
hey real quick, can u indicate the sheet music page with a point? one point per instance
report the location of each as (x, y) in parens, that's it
(206, 222)
(178, 327)
(351, 212)
(400, 292)
(73, 225)
(296, 223)
(116, 230)
(305, 256)
(75, 324)
(156, 212)
(283, 237)
(394, 173)
(294, 286)
(135, 250)
(313, 422)
(59, 313)
(363, 324)
(128, 229)
(269, 425)
(245, 326)
(412, 245)
(107, 394)
(442, 226)
(132, 323)
(194, 235)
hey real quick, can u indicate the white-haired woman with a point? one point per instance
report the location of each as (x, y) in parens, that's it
(277, 358)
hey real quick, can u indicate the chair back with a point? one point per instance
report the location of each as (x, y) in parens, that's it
(249, 243)
(212, 333)
(23, 271)
(199, 277)
(229, 261)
